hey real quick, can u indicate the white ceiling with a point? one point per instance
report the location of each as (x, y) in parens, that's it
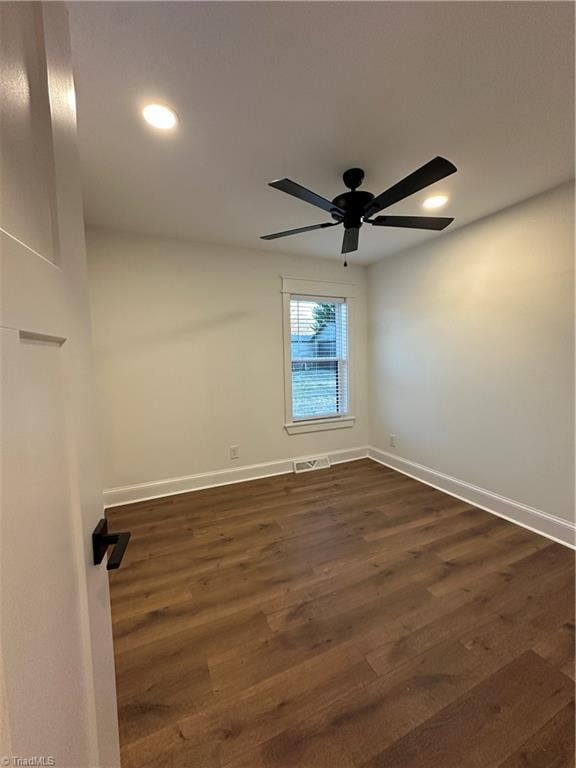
(306, 90)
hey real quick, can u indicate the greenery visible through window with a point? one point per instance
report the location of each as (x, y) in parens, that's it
(319, 357)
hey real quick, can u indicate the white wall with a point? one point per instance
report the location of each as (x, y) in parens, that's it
(472, 345)
(189, 356)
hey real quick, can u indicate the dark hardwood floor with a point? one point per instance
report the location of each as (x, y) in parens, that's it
(345, 618)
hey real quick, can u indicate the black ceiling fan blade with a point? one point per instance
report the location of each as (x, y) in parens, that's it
(297, 190)
(414, 222)
(350, 241)
(433, 171)
(300, 229)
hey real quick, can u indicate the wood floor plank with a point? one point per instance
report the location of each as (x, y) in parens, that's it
(240, 723)
(488, 724)
(362, 724)
(339, 619)
(240, 668)
(160, 681)
(557, 647)
(550, 747)
(482, 601)
(488, 555)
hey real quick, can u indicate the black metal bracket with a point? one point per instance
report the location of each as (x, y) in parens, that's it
(101, 540)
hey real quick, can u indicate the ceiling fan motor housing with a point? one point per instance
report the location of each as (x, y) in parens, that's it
(352, 203)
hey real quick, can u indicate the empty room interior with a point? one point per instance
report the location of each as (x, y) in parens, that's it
(287, 384)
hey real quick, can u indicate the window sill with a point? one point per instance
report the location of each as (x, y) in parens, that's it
(319, 425)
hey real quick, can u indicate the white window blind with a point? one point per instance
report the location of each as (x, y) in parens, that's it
(319, 357)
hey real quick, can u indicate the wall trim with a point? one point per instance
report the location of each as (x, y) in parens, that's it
(555, 528)
(315, 287)
(128, 494)
(319, 425)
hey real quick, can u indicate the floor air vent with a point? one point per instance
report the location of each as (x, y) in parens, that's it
(307, 465)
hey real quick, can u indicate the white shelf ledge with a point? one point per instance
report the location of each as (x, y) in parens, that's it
(319, 425)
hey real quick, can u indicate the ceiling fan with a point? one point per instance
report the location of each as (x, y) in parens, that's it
(355, 208)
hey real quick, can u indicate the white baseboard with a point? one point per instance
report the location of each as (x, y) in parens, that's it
(128, 494)
(555, 528)
(536, 520)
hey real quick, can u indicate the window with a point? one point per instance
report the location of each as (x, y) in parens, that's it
(318, 357)
(318, 360)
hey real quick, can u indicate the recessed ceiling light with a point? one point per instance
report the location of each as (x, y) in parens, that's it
(437, 201)
(159, 116)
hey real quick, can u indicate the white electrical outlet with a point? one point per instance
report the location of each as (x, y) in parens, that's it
(392, 441)
(234, 451)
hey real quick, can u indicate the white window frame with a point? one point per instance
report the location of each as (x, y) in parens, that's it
(316, 290)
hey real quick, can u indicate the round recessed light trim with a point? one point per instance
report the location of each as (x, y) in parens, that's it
(436, 201)
(159, 116)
